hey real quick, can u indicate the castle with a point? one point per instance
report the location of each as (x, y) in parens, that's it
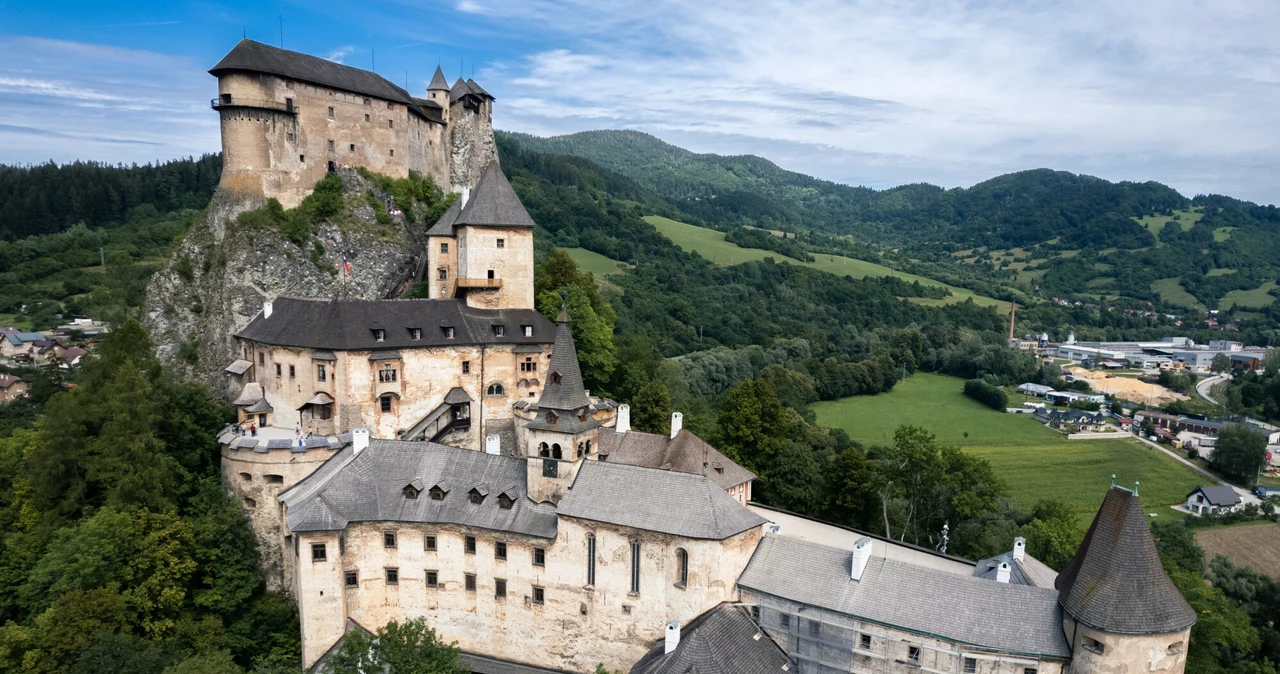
(442, 458)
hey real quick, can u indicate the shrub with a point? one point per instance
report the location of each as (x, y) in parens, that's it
(990, 395)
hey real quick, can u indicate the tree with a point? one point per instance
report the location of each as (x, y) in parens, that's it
(1220, 363)
(209, 662)
(398, 648)
(1053, 536)
(851, 485)
(750, 426)
(651, 408)
(592, 332)
(1240, 453)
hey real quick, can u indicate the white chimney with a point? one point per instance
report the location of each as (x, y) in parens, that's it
(1019, 548)
(266, 309)
(462, 200)
(1002, 572)
(861, 555)
(673, 636)
(493, 444)
(624, 419)
(360, 439)
(677, 422)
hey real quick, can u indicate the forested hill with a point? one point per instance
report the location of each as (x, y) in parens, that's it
(1018, 209)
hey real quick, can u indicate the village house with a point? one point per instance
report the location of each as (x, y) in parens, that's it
(1213, 500)
(11, 387)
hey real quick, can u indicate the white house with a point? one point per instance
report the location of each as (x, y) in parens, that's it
(1213, 500)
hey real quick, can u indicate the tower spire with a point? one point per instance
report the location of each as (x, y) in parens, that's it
(563, 390)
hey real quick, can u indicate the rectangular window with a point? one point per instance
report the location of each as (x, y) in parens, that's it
(318, 552)
(433, 579)
(277, 370)
(502, 243)
(366, 116)
(384, 403)
(289, 136)
(393, 575)
(444, 249)
(500, 588)
(491, 274)
(388, 539)
(351, 578)
(539, 596)
(755, 613)
(500, 550)
(591, 559)
(415, 334)
(466, 367)
(331, 145)
(499, 330)
(331, 112)
(429, 542)
(321, 374)
(1094, 645)
(527, 330)
(302, 158)
(469, 579)
(815, 629)
(379, 335)
(448, 332)
(469, 545)
(351, 147)
(970, 666)
(293, 373)
(442, 274)
(529, 365)
(864, 641)
(635, 566)
(913, 653)
(366, 102)
(262, 360)
(784, 621)
(539, 556)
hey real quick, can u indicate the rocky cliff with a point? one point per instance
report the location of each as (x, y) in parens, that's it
(226, 266)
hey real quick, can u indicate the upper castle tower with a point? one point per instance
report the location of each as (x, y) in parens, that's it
(287, 118)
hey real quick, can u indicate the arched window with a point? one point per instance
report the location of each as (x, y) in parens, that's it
(555, 377)
(544, 451)
(579, 450)
(555, 451)
(682, 567)
(588, 447)
(495, 390)
(552, 418)
(591, 559)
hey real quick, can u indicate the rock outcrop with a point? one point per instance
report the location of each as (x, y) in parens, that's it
(221, 271)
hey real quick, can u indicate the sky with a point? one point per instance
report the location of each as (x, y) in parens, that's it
(876, 93)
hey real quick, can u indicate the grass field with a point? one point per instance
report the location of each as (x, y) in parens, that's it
(1036, 462)
(1220, 272)
(1251, 299)
(1155, 223)
(1222, 233)
(710, 244)
(1253, 545)
(1171, 290)
(594, 262)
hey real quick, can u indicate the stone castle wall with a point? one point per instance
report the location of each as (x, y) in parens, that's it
(1124, 653)
(471, 143)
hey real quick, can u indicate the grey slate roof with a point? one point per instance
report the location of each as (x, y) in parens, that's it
(477, 89)
(349, 324)
(323, 354)
(724, 640)
(385, 354)
(457, 395)
(655, 500)
(493, 203)
(239, 366)
(1115, 583)
(565, 423)
(685, 454)
(250, 394)
(438, 81)
(444, 226)
(369, 487)
(256, 57)
(1027, 571)
(1013, 618)
(1219, 496)
(569, 393)
(460, 89)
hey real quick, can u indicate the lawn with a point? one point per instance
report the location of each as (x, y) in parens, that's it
(1253, 299)
(1155, 223)
(1220, 272)
(1171, 291)
(1035, 462)
(1222, 234)
(710, 243)
(594, 262)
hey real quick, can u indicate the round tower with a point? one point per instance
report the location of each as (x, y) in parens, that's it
(438, 91)
(1120, 611)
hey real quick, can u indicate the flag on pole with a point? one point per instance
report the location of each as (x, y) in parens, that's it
(346, 266)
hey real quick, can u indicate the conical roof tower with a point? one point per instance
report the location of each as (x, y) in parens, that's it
(438, 82)
(1115, 583)
(563, 389)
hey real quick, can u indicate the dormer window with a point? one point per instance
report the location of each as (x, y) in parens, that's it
(476, 496)
(448, 332)
(499, 330)
(415, 334)
(505, 502)
(552, 418)
(555, 377)
(410, 492)
(527, 330)
(379, 335)
(437, 493)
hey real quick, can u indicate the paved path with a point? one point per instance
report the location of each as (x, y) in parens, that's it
(1244, 493)
(1203, 386)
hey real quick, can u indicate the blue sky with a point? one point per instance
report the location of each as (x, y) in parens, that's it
(867, 92)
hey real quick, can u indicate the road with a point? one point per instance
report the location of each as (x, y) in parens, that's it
(1203, 386)
(1245, 494)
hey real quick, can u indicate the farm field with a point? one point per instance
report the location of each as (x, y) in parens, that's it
(710, 244)
(1254, 545)
(1035, 462)
(1252, 299)
(1155, 223)
(594, 262)
(1171, 290)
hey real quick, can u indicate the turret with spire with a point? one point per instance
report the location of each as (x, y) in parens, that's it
(438, 90)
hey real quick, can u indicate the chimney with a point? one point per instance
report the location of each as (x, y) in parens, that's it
(673, 636)
(861, 555)
(462, 200)
(1019, 548)
(624, 419)
(677, 422)
(266, 309)
(360, 439)
(1002, 572)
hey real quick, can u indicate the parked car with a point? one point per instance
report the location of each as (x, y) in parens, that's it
(1266, 492)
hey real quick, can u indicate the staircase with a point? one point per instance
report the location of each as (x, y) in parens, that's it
(441, 420)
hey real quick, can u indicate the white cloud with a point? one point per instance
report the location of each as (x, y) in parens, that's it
(337, 55)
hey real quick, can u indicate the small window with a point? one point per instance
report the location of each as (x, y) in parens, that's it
(682, 567)
(379, 335)
(277, 370)
(289, 136)
(527, 330)
(815, 629)
(591, 559)
(448, 332)
(913, 653)
(331, 112)
(393, 575)
(366, 102)
(970, 666)
(555, 377)
(366, 116)
(539, 556)
(321, 374)
(491, 274)
(442, 274)
(318, 552)
(385, 403)
(466, 367)
(499, 330)
(539, 596)
(784, 620)
(502, 243)
(500, 550)
(274, 479)
(246, 477)
(331, 145)
(393, 152)
(755, 613)
(351, 147)
(415, 334)
(475, 496)
(262, 359)
(1094, 645)
(302, 158)
(433, 579)
(469, 580)
(500, 588)
(391, 124)
(495, 390)
(635, 566)
(388, 539)
(444, 249)
(1175, 648)
(437, 494)
(429, 543)
(469, 545)
(351, 578)
(293, 373)
(864, 641)
(505, 502)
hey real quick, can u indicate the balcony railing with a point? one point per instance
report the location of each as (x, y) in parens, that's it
(229, 101)
(479, 283)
